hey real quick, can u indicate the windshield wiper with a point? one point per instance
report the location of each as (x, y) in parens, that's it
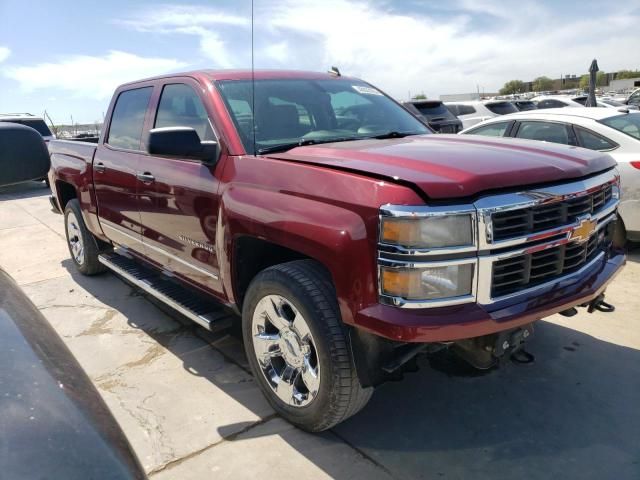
(394, 134)
(283, 147)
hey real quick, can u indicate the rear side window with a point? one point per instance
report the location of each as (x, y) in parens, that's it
(546, 132)
(551, 104)
(524, 106)
(501, 108)
(492, 130)
(593, 141)
(458, 109)
(127, 120)
(180, 106)
(628, 123)
(466, 110)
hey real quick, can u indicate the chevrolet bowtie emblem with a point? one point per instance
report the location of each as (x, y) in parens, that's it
(583, 231)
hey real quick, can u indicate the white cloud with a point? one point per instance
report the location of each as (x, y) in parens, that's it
(416, 51)
(90, 76)
(4, 53)
(191, 20)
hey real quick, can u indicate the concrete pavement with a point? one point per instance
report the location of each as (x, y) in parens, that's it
(190, 408)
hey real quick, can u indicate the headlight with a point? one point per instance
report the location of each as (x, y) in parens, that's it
(438, 231)
(428, 283)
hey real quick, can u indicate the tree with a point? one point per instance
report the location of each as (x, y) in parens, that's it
(541, 84)
(420, 96)
(601, 80)
(584, 82)
(513, 86)
(622, 74)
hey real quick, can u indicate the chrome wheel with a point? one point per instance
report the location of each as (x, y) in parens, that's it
(74, 237)
(285, 350)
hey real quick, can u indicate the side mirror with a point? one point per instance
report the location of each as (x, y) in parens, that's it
(23, 154)
(181, 142)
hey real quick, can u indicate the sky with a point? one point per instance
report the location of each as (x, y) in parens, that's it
(67, 56)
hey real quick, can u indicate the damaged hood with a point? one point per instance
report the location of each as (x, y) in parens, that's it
(449, 166)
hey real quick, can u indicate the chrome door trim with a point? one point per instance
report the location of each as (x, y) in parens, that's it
(161, 251)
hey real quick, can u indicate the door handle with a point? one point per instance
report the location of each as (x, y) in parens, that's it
(145, 177)
(99, 167)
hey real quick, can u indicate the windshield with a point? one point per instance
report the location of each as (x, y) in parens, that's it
(433, 110)
(501, 108)
(36, 124)
(303, 111)
(628, 123)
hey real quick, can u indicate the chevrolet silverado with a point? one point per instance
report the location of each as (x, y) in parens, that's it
(345, 235)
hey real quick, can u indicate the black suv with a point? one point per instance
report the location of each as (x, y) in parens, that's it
(435, 114)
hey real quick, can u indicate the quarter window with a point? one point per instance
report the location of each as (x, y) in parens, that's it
(592, 141)
(491, 130)
(127, 119)
(546, 132)
(180, 106)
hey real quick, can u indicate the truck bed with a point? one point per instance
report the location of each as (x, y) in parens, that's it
(75, 149)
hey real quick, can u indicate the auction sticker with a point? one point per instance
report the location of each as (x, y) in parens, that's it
(365, 90)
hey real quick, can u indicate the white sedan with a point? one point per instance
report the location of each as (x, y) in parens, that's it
(616, 132)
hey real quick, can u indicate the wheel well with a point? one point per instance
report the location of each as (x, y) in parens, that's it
(252, 255)
(66, 192)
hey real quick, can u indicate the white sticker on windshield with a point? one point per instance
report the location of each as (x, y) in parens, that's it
(365, 90)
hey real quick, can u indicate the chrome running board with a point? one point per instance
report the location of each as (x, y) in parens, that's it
(193, 305)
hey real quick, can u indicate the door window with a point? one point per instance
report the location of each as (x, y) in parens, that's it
(491, 130)
(592, 141)
(546, 132)
(180, 106)
(127, 119)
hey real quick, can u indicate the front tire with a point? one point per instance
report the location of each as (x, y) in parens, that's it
(83, 246)
(298, 347)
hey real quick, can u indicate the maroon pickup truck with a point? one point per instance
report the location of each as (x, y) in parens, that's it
(347, 236)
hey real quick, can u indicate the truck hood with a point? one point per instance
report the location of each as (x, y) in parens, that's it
(449, 166)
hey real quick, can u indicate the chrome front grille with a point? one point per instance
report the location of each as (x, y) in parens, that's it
(530, 269)
(538, 218)
(531, 239)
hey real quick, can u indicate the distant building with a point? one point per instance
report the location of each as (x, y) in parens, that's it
(624, 84)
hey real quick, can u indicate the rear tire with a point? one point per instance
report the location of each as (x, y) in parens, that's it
(306, 322)
(83, 246)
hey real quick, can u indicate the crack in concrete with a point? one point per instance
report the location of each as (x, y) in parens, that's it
(229, 438)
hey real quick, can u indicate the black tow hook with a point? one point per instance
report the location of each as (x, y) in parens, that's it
(599, 304)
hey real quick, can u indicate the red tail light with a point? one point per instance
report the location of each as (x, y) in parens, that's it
(635, 164)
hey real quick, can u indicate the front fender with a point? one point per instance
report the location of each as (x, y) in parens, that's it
(341, 239)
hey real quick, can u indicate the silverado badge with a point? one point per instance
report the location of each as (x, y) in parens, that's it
(584, 230)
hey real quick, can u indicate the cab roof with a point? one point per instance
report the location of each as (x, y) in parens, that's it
(245, 74)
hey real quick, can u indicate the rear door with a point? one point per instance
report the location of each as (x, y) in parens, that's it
(115, 166)
(178, 196)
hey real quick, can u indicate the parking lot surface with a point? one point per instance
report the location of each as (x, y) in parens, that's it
(188, 404)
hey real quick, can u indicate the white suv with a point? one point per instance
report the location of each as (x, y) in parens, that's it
(476, 111)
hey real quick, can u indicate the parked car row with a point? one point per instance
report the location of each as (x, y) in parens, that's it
(472, 112)
(602, 129)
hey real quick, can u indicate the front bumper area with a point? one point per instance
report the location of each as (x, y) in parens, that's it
(451, 323)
